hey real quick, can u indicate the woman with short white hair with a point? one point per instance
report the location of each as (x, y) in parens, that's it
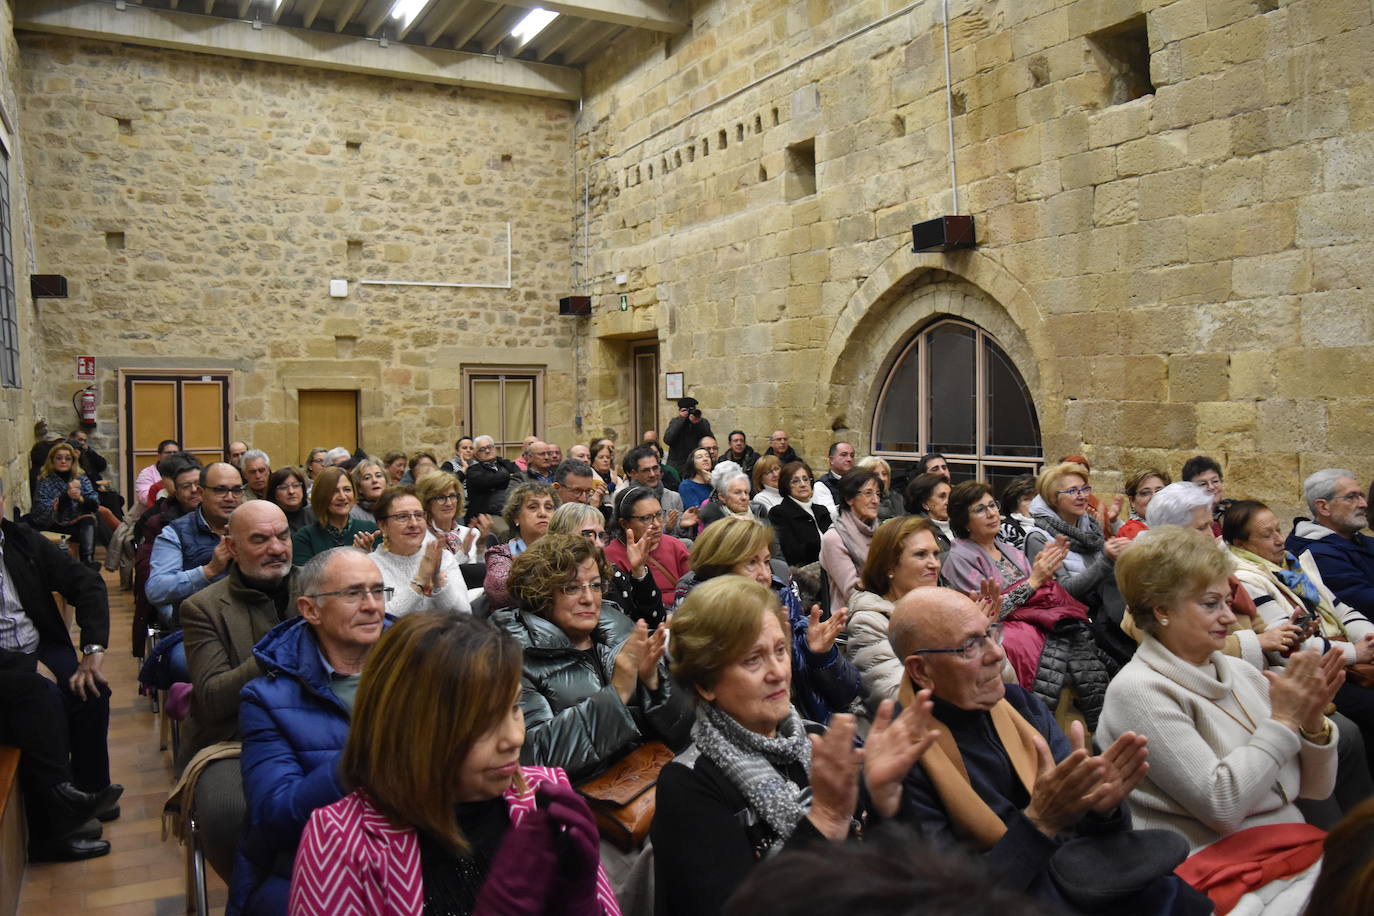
(730, 497)
(1184, 504)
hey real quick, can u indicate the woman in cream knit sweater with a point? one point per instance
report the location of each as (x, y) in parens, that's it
(1230, 748)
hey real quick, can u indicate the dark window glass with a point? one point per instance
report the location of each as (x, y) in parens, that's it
(952, 353)
(1013, 429)
(899, 423)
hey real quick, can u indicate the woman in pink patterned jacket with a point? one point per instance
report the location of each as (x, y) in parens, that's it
(444, 820)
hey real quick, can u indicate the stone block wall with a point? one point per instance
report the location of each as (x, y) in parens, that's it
(1183, 272)
(17, 404)
(200, 205)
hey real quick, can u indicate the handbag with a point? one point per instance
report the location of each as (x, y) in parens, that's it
(624, 798)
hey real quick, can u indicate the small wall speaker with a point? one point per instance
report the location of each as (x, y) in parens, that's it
(944, 233)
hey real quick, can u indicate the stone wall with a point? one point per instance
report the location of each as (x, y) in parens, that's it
(1182, 272)
(17, 412)
(199, 206)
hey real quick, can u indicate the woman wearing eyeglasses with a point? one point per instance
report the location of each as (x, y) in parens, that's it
(528, 512)
(1140, 489)
(441, 493)
(425, 576)
(595, 685)
(331, 501)
(798, 521)
(638, 597)
(1060, 509)
(640, 517)
(286, 487)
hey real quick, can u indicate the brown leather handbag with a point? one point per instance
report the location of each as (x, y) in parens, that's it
(623, 798)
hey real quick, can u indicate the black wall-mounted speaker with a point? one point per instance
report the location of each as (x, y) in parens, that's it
(575, 305)
(944, 233)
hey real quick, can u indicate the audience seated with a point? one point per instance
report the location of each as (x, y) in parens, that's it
(844, 546)
(640, 517)
(487, 478)
(331, 501)
(257, 470)
(643, 467)
(1344, 556)
(222, 622)
(527, 515)
(442, 818)
(1206, 473)
(730, 497)
(234, 454)
(753, 782)
(695, 487)
(191, 552)
(441, 494)
(636, 595)
(574, 481)
(1046, 633)
(337, 456)
(1140, 489)
(314, 463)
(1015, 507)
(933, 463)
(798, 520)
(779, 447)
(928, 495)
(1229, 752)
(95, 466)
(464, 452)
(764, 483)
(602, 460)
(422, 575)
(294, 719)
(66, 502)
(540, 460)
(1060, 510)
(369, 479)
(740, 451)
(902, 557)
(824, 682)
(70, 701)
(149, 475)
(1043, 812)
(891, 505)
(523, 462)
(420, 464)
(286, 488)
(396, 464)
(841, 458)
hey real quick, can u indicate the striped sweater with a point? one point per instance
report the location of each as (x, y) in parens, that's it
(352, 861)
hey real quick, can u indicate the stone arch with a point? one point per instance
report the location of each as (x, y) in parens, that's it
(905, 293)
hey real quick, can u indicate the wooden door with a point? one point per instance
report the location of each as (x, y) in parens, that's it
(645, 388)
(192, 409)
(328, 419)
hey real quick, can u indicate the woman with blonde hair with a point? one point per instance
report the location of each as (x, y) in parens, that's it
(443, 818)
(369, 481)
(67, 502)
(767, 471)
(441, 493)
(1231, 748)
(824, 680)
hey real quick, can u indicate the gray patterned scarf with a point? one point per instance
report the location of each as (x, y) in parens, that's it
(1087, 540)
(748, 760)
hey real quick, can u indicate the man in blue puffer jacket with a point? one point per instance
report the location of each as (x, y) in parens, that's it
(294, 720)
(1344, 557)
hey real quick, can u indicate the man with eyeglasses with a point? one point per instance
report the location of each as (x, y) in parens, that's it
(295, 718)
(222, 623)
(1003, 777)
(541, 459)
(1332, 540)
(574, 482)
(488, 479)
(192, 551)
(643, 467)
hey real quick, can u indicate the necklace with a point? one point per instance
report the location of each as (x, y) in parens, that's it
(1251, 727)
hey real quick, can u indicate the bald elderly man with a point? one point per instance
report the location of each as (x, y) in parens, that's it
(222, 623)
(1004, 780)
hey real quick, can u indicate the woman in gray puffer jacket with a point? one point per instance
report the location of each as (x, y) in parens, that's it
(594, 685)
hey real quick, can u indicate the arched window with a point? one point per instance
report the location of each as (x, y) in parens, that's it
(954, 390)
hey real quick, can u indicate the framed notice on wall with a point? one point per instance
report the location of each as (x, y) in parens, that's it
(672, 385)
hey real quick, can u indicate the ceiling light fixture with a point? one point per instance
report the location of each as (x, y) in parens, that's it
(534, 22)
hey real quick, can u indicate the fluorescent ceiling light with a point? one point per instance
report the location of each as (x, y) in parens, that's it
(535, 21)
(406, 10)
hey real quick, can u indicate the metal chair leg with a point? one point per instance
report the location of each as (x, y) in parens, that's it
(198, 887)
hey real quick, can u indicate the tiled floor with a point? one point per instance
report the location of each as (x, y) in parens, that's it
(142, 875)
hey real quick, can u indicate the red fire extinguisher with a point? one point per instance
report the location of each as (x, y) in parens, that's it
(84, 402)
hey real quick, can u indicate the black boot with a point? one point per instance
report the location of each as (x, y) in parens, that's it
(85, 538)
(67, 808)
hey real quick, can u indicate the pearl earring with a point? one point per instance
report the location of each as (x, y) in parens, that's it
(1164, 621)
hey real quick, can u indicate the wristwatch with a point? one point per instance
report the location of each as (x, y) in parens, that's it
(92, 649)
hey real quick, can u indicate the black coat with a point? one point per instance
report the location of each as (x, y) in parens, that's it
(798, 532)
(682, 436)
(486, 485)
(37, 568)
